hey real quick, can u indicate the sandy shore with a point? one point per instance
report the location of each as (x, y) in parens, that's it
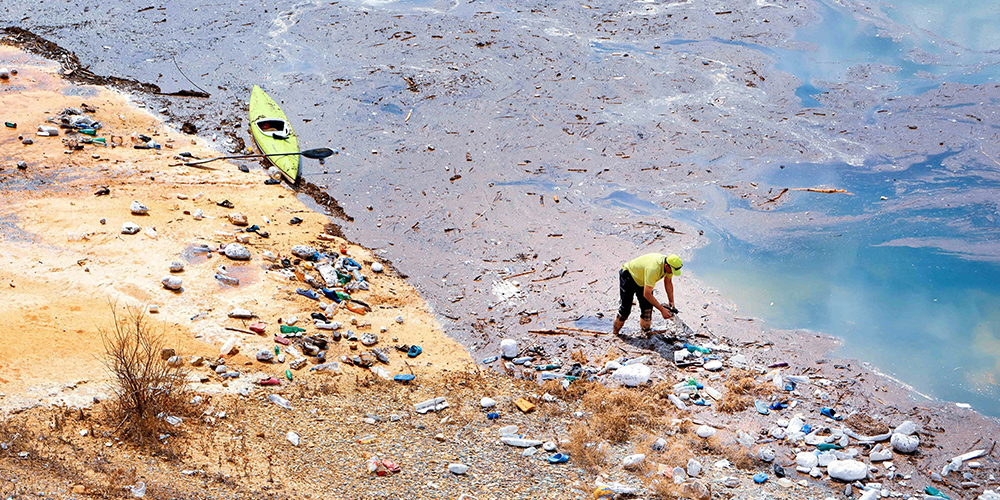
(64, 258)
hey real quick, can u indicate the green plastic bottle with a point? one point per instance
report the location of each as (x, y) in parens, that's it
(291, 329)
(934, 492)
(88, 131)
(288, 373)
(10, 124)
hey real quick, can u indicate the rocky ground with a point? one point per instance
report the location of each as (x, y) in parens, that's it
(67, 254)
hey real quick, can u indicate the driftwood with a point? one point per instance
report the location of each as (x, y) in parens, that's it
(824, 190)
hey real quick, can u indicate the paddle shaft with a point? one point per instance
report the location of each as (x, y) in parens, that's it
(190, 163)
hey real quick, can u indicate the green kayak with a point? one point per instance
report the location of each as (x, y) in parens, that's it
(273, 134)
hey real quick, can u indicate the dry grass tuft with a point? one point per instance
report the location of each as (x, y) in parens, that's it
(585, 450)
(578, 357)
(743, 383)
(663, 487)
(733, 403)
(619, 413)
(865, 424)
(740, 457)
(677, 452)
(145, 387)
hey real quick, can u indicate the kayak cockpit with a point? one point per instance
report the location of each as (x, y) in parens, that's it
(273, 127)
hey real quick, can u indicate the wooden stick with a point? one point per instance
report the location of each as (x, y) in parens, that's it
(238, 330)
(570, 329)
(518, 274)
(487, 209)
(823, 190)
(772, 200)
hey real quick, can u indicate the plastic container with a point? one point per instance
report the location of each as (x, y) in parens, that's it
(632, 375)
(227, 347)
(520, 442)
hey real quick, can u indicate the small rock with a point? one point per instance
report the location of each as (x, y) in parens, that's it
(167, 353)
(487, 402)
(304, 252)
(679, 475)
(693, 467)
(176, 266)
(766, 454)
(660, 444)
(241, 314)
(713, 365)
(369, 339)
(904, 443)
(730, 482)
(549, 446)
(265, 356)
(196, 360)
(458, 468)
(172, 282)
(138, 208)
(633, 461)
(78, 489)
(377, 267)
(906, 428)
(238, 219)
(399, 319)
(130, 228)
(847, 470)
(696, 490)
(4, 73)
(237, 251)
(880, 454)
(806, 460)
(293, 438)
(27, 141)
(529, 451)
(705, 431)
(175, 362)
(22, 165)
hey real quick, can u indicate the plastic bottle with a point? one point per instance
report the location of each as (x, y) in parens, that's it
(332, 367)
(227, 347)
(508, 348)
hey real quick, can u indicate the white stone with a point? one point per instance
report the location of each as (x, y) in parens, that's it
(766, 454)
(241, 314)
(906, 428)
(549, 446)
(713, 365)
(508, 348)
(807, 459)
(176, 266)
(693, 467)
(138, 208)
(487, 402)
(293, 438)
(130, 228)
(903, 443)
(303, 251)
(633, 460)
(776, 432)
(794, 425)
(458, 468)
(679, 475)
(172, 282)
(237, 251)
(880, 454)
(377, 267)
(825, 458)
(705, 431)
(847, 470)
(989, 495)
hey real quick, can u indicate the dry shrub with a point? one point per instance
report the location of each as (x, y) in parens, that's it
(676, 454)
(578, 357)
(743, 383)
(145, 388)
(584, 449)
(733, 403)
(619, 413)
(663, 487)
(740, 457)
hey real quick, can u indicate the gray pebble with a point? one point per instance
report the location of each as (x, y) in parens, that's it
(138, 208)
(172, 282)
(236, 251)
(130, 228)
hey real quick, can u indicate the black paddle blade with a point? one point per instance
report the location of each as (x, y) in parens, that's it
(317, 154)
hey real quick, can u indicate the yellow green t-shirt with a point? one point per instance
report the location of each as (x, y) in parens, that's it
(648, 269)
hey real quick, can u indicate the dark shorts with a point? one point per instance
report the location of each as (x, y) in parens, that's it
(627, 288)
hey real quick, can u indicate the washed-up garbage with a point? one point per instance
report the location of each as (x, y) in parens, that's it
(280, 401)
(632, 375)
(519, 442)
(241, 314)
(433, 404)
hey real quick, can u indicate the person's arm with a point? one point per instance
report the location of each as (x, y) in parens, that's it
(668, 286)
(647, 292)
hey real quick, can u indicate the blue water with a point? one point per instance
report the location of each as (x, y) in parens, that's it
(927, 312)
(911, 282)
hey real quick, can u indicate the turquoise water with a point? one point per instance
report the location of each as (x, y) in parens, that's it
(912, 282)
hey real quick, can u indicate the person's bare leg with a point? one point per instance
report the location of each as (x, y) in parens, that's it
(619, 323)
(646, 325)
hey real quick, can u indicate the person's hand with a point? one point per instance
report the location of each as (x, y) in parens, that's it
(666, 313)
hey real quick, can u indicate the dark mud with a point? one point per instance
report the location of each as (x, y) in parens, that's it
(536, 144)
